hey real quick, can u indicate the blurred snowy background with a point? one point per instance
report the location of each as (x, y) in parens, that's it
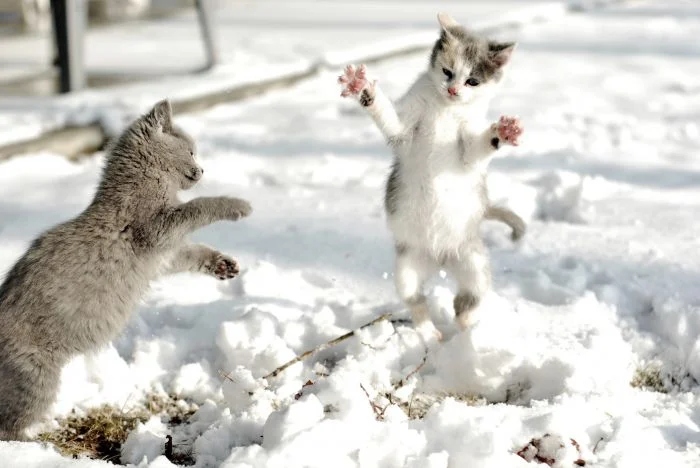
(590, 335)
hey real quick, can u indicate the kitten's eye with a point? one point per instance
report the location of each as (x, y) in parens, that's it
(472, 82)
(192, 153)
(447, 73)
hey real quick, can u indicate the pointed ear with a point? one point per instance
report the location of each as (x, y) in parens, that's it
(161, 115)
(446, 21)
(500, 52)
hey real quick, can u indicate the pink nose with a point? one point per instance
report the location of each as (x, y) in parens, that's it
(452, 90)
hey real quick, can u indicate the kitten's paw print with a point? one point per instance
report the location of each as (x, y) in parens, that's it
(355, 83)
(223, 267)
(508, 129)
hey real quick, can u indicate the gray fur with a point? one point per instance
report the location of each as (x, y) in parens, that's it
(76, 286)
(392, 192)
(463, 303)
(483, 54)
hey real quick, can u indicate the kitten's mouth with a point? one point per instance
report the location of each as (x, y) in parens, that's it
(193, 177)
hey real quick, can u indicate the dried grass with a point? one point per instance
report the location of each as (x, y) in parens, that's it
(101, 431)
(649, 378)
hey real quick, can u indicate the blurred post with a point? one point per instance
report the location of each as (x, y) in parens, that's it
(69, 22)
(204, 15)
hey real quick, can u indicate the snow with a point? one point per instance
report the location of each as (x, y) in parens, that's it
(603, 284)
(145, 442)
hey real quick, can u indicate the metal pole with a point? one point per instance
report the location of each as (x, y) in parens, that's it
(204, 16)
(69, 20)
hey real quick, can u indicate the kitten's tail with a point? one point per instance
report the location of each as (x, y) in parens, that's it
(504, 215)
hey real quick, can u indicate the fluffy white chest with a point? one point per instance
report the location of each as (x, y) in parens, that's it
(441, 195)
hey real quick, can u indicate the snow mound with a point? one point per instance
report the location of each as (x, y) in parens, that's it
(507, 356)
(679, 324)
(560, 197)
(145, 443)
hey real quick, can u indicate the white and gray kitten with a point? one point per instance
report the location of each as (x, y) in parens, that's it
(436, 194)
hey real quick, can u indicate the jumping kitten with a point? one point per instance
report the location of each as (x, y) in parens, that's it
(436, 194)
(76, 286)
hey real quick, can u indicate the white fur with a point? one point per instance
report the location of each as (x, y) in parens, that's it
(443, 183)
(442, 143)
(444, 148)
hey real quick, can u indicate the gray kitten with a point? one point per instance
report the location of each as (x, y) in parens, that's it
(436, 194)
(76, 286)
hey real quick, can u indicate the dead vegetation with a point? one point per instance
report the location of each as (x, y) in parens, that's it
(100, 432)
(649, 378)
(420, 403)
(415, 407)
(97, 434)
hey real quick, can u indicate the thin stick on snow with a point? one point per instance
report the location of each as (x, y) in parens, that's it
(378, 411)
(596, 444)
(227, 376)
(403, 381)
(323, 346)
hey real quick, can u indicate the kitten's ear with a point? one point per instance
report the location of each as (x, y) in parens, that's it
(500, 52)
(161, 116)
(446, 21)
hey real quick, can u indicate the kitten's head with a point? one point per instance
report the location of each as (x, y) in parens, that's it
(464, 67)
(162, 148)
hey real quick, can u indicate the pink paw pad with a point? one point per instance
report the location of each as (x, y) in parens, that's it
(509, 129)
(353, 80)
(225, 268)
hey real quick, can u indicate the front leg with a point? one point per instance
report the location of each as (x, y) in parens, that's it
(504, 132)
(370, 96)
(174, 223)
(198, 258)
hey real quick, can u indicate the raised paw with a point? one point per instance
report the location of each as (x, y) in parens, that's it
(224, 267)
(508, 129)
(241, 208)
(355, 83)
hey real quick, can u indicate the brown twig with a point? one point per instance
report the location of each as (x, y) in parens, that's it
(400, 321)
(404, 380)
(227, 376)
(323, 346)
(595, 447)
(378, 410)
(384, 343)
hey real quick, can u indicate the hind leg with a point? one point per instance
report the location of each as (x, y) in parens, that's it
(27, 391)
(472, 271)
(413, 268)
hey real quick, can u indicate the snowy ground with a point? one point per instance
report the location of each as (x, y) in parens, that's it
(604, 283)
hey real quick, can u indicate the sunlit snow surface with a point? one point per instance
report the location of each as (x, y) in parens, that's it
(604, 283)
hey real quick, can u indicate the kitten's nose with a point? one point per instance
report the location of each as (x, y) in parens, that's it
(452, 90)
(197, 173)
